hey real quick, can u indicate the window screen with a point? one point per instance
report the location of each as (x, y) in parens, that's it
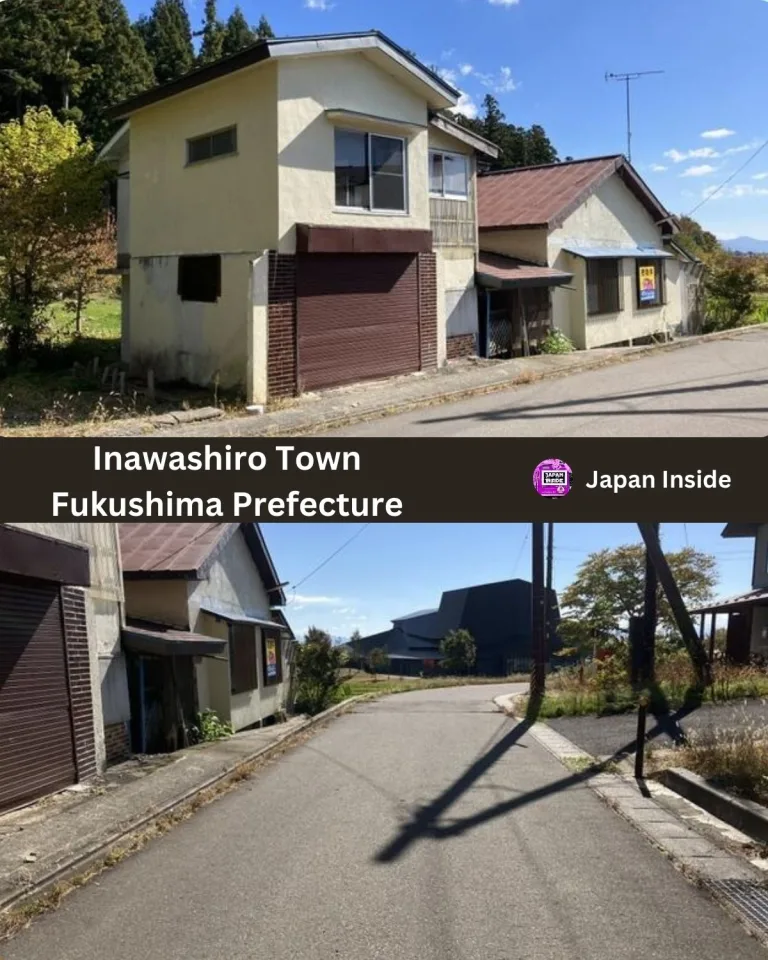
(211, 145)
(200, 278)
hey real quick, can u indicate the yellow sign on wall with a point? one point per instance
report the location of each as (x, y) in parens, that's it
(647, 284)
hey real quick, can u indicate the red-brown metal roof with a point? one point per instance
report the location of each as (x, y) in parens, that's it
(509, 272)
(538, 196)
(180, 548)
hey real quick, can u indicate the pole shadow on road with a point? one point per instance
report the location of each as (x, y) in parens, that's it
(425, 823)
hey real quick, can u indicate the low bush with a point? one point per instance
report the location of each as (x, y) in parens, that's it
(735, 760)
(557, 342)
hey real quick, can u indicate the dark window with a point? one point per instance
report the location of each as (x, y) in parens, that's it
(243, 670)
(650, 283)
(273, 658)
(603, 286)
(200, 278)
(211, 145)
(370, 171)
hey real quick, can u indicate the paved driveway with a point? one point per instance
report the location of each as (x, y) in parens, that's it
(426, 826)
(718, 388)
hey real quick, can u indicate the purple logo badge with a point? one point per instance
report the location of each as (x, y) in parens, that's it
(552, 478)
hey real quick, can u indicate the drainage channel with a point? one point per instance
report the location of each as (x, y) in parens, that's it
(749, 898)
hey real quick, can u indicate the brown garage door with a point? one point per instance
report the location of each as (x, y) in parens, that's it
(358, 317)
(36, 745)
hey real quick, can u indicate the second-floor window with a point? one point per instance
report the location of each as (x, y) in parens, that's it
(370, 172)
(448, 175)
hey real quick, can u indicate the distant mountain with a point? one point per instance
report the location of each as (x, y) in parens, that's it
(746, 245)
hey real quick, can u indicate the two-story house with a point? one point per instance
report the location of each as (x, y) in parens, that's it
(747, 631)
(298, 216)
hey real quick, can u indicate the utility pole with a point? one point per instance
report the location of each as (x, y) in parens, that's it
(548, 593)
(538, 613)
(626, 79)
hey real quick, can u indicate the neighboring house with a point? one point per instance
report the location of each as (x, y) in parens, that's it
(298, 216)
(498, 615)
(747, 613)
(583, 247)
(63, 690)
(201, 631)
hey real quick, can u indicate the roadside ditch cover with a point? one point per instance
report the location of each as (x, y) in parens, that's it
(748, 897)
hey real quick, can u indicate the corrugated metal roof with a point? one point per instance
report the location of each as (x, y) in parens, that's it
(143, 636)
(617, 253)
(494, 270)
(535, 196)
(753, 598)
(168, 547)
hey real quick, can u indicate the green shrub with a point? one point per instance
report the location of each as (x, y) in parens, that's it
(317, 673)
(557, 342)
(210, 727)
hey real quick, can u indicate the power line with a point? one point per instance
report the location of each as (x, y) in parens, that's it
(522, 547)
(725, 183)
(328, 559)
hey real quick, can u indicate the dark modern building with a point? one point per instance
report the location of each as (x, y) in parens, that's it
(498, 615)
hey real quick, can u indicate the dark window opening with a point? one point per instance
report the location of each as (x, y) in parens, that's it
(200, 278)
(603, 287)
(211, 145)
(243, 669)
(370, 171)
(650, 283)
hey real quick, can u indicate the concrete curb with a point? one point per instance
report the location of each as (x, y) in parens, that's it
(99, 850)
(744, 815)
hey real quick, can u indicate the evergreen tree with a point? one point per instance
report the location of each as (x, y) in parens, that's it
(212, 46)
(121, 69)
(519, 146)
(167, 35)
(264, 30)
(46, 49)
(237, 35)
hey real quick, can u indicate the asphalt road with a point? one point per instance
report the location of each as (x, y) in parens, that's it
(421, 827)
(718, 388)
(607, 736)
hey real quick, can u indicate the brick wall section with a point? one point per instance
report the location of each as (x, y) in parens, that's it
(428, 309)
(281, 348)
(117, 742)
(463, 345)
(79, 674)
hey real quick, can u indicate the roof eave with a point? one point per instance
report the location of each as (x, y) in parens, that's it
(454, 129)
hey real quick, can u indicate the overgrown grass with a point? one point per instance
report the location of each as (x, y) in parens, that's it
(602, 691)
(61, 384)
(363, 683)
(736, 760)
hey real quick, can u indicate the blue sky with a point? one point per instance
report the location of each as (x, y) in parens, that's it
(546, 61)
(393, 569)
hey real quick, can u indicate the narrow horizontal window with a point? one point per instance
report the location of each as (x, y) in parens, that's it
(199, 279)
(218, 144)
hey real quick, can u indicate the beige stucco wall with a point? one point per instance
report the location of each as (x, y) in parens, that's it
(306, 88)
(525, 244)
(224, 205)
(613, 217)
(569, 303)
(104, 612)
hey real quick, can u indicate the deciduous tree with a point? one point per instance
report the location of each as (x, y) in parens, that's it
(459, 652)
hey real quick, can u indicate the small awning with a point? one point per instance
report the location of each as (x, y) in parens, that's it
(338, 115)
(159, 640)
(618, 253)
(755, 598)
(223, 614)
(503, 273)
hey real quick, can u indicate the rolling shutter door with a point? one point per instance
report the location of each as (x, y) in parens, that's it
(357, 316)
(36, 743)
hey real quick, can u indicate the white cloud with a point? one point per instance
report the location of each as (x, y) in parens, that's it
(745, 146)
(700, 153)
(701, 171)
(305, 600)
(505, 83)
(658, 167)
(735, 192)
(503, 3)
(466, 106)
(448, 54)
(448, 75)
(718, 133)
(318, 5)
(465, 69)
(760, 176)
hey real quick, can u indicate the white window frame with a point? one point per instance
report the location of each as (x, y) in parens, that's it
(378, 211)
(467, 168)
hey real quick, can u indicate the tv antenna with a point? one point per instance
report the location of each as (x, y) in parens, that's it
(627, 78)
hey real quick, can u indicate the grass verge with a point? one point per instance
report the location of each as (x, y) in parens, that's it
(363, 683)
